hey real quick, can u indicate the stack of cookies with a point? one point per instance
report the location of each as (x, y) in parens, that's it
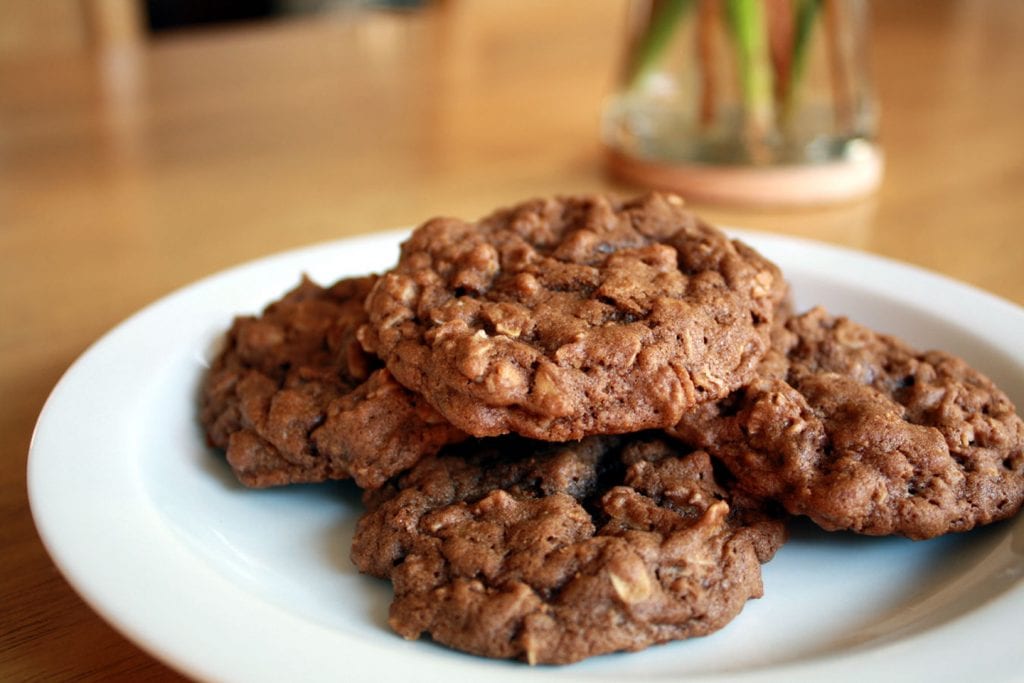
(581, 424)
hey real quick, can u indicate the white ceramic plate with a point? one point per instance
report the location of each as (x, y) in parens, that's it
(224, 583)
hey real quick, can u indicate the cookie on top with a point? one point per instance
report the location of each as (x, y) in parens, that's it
(560, 318)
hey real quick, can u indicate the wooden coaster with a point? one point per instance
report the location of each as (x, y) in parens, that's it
(797, 185)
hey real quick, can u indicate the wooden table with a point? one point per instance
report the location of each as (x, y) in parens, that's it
(128, 174)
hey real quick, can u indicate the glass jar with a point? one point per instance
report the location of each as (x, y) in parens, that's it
(765, 101)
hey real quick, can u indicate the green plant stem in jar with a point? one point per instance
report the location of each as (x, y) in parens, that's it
(755, 82)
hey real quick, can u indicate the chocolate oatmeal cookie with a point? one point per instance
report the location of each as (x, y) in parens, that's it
(551, 553)
(294, 398)
(859, 431)
(556, 319)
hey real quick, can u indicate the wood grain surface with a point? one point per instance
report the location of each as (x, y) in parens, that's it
(126, 174)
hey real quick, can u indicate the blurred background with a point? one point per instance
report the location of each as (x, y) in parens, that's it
(223, 130)
(144, 145)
